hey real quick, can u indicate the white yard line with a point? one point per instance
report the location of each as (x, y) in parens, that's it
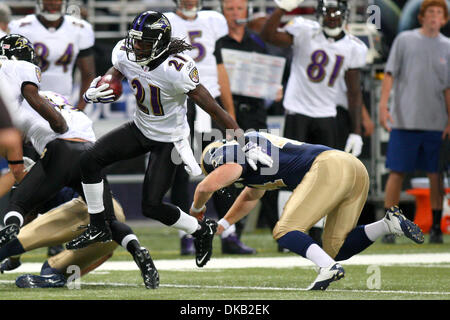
(263, 262)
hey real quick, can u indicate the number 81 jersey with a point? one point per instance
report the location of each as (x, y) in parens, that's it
(318, 64)
(57, 49)
(160, 93)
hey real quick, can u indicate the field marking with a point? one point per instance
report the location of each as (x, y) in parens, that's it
(424, 259)
(187, 286)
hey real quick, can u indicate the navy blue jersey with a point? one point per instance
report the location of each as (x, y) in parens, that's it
(291, 161)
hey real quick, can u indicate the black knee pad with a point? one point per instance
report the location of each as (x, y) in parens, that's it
(163, 212)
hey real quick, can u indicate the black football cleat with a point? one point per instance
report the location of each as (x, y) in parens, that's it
(45, 281)
(147, 267)
(203, 243)
(92, 234)
(10, 264)
(8, 233)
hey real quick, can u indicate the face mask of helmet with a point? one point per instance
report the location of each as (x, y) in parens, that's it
(17, 47)
(332, 16)
(51, 10)
(148, 38)
(188, 8)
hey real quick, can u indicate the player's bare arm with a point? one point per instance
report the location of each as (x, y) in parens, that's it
(354, 96)
(55, 119)
(221, 177)
(446, 133)
(225, 90)
(270, 31)
(245, 202)
(386, 87)
(204, 100)
(86, 65)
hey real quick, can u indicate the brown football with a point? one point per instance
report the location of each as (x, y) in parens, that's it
(114, 83)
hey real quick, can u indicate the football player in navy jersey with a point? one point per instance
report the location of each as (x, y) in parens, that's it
(325, 183)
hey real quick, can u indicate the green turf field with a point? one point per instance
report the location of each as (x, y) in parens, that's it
(416, 281)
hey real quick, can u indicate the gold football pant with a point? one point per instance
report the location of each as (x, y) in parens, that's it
(58, 226)
(335, 187)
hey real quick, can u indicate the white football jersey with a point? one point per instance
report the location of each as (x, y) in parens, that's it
(202, 33)
(2, 33)
(160, 94)
(37, 130)
(318, 64)
(13, 73)
(58, 49)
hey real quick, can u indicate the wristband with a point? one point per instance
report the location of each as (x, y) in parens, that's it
(195, 210)
(15, 161)
(224, 223)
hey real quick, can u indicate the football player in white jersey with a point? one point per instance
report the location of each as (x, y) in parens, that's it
(323, 54)
(60, 41)
(19, 80)
(202, 29)
(58, 167)
(162, 78)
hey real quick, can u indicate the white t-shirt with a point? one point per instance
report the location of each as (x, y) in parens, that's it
(13, 73)
(58, 48)
(318, 64)
(37, 130)
(160, 93)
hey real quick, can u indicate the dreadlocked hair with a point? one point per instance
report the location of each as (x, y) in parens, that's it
(178, 45)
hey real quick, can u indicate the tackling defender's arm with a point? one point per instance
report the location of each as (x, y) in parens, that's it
(219, 178)
(245, 202)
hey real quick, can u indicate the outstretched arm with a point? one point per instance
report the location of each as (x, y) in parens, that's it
(244, 203)
(270, 31)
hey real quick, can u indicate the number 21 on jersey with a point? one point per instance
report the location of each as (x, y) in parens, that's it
(316, 69)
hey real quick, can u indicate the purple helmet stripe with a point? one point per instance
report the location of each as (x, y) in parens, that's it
(135, 26)
(141, 25)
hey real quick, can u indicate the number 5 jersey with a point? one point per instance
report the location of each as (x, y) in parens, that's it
(318, 64)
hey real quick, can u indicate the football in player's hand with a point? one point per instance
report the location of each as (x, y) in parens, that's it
(115, 84)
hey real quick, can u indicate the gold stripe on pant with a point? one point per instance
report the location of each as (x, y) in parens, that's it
(335, 187)
(58, 226)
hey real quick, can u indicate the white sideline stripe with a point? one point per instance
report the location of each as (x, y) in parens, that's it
(188, 286)
(261, 262)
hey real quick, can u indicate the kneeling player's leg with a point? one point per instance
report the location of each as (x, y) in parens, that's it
(341, 239)
(306, 206)
(89, 258)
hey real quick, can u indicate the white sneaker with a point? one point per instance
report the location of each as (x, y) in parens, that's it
(327, 275)
(399, 225)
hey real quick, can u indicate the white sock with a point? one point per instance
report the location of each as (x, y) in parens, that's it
(376, 229)
(94, 196)
(318, 256)
(186, 223)
(181, 233)
(231, 229)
